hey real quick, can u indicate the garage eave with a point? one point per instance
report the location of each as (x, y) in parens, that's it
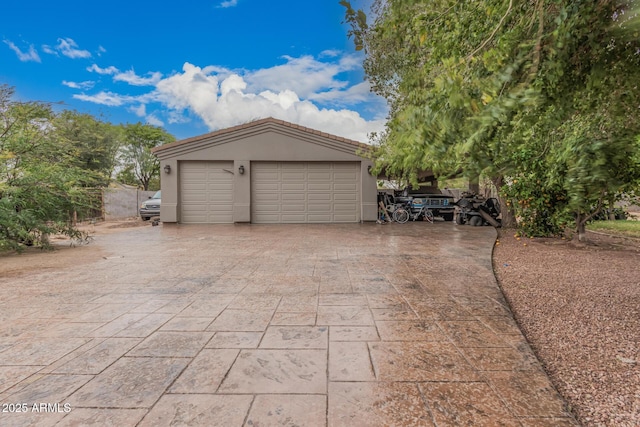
(231, 134)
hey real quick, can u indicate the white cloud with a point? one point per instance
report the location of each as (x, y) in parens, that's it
(227, 102)
(127, 76)
(135, 80)
(30, 55)
(355, 94)
(304, 75)
(69, 48)
(140, 110)
(49, 50)
(109, 70)
(107, 98)
(228, 3)
(79, 85)
(304, 90)
(332, 53)
(153, 120)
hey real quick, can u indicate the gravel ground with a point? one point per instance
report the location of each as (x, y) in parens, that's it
(579, 307)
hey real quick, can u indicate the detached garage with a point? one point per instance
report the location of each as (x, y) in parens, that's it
(267, 171)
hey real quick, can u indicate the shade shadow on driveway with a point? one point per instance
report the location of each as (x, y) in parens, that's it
(232, 325)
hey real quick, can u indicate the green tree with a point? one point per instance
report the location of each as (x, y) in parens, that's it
(95, 143)
(41, 183)
(136, 157)
(539, 96)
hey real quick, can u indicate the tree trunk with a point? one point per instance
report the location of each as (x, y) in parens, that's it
(612, 213)
(506, 213)
(474, 185)
(581, 227)
(583, 219)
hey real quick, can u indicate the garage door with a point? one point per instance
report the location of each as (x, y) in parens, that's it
(206, 192)
(305, 192)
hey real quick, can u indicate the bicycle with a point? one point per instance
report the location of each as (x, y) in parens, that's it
(404, 213)
(393, 212)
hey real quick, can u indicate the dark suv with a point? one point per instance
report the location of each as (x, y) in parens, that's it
(150, 208)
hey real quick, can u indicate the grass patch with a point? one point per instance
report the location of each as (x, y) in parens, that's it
(622, 228)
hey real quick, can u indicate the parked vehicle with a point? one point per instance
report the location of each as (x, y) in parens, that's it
(402, 207)
(476, 211)
(150, 208)
(431, 198)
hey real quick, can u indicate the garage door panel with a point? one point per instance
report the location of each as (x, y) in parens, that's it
(219, 209)
(297, 176)
(265, 218)
(194, 185)
(341, 197)
(344, 207)
(345, 187)
(263, 176)
(270, 209)
(197, 195)
(294, 207)
(305, 192)
(206, 192)
(194, 219)
(320, 186)
(194, 176)
(220, 188)
(219, 198)
(294, 186)
(315, 197)
(194, 197)
(320, 176)
(345, 218)
(267, 186)
(293, 218)
(341, 177)
(220, 219)
(320, 218)
(319, 208)
(293, 197)
(286, 166)
(267, 198)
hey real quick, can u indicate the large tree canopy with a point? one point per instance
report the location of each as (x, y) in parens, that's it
(42, 181)
(52, 166)
(140, 166)
(540, 96)
(95, 143)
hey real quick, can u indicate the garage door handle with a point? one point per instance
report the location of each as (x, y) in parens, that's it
(227, 170)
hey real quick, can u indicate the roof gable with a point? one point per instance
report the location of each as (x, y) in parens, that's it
(257, 127)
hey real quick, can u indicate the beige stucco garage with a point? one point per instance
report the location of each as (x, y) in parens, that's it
(266, 171)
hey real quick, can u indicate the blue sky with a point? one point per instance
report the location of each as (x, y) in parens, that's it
(191, 66)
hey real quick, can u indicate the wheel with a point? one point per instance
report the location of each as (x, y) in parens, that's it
(428, 215)
(447, 216)
(460, 219)
(400, 216)
(475, 221)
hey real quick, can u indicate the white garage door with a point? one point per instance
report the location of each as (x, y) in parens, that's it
(206, 192)
(305, 192)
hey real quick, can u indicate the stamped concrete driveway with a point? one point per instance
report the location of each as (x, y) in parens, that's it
(340, 325)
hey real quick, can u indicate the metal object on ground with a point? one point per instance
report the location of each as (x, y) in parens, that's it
(477, 211)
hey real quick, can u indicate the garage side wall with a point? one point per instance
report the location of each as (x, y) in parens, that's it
(169, 183)
(260, 147)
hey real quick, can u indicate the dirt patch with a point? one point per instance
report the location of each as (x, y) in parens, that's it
(65, 252)
(106, 227)
(578, 304)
